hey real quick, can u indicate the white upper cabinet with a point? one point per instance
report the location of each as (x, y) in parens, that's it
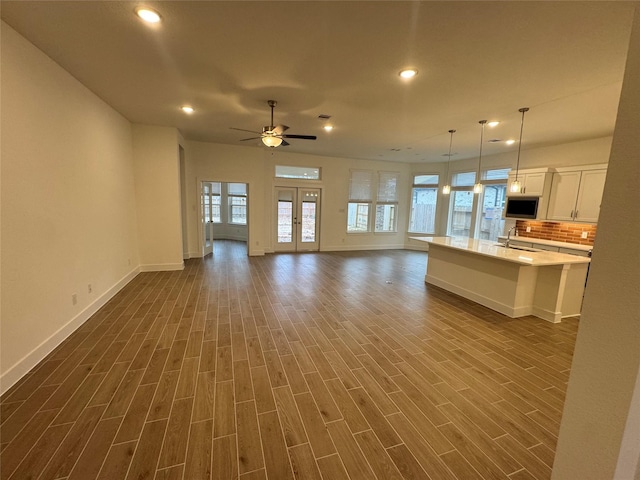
(533, 184)
(576, 195)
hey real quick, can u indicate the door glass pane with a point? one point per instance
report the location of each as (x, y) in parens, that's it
(460, 217)
(308, 221)
(285, 221)
(491, 221)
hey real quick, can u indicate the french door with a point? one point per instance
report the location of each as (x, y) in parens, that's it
(208, 202)
(297, 219)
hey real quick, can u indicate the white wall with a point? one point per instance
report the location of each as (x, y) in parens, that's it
(229, 163)
(256, 166)
(68, 204)
(600, 430)
(158, 204)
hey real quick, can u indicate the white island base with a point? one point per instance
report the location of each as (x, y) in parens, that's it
(515, 283)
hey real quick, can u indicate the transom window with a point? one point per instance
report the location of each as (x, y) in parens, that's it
(301, 173)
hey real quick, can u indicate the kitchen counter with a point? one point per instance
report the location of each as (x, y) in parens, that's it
(492, 249)
(551, 243)
(517, 283)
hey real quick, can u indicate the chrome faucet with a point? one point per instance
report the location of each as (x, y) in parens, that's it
(506, 244)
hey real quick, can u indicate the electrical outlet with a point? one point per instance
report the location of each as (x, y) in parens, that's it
(528, 229)
(89, 288)
(584, 235)
(74, 298)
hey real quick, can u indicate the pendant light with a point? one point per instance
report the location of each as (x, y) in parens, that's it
(446, 190)
(477, 188)
(515, 186)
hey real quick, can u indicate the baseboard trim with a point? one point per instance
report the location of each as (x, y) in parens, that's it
(162, 267)
(355, 248)
(482, 300)
(26, 363)
(417, 248)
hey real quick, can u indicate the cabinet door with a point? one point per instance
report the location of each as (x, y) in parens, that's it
(564, 191)
(533, 184)
(590, 196)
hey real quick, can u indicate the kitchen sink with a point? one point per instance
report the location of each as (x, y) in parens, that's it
(518, 247)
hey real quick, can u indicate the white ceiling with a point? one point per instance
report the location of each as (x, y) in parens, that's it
(476, 60)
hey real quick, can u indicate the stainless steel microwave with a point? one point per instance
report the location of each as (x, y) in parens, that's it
(522, 207)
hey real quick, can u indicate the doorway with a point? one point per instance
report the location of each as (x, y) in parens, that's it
(297, 219)
(223, 213)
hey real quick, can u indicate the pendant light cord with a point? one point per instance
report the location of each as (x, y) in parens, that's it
(523, 110)
(481, 122)
(449, 156)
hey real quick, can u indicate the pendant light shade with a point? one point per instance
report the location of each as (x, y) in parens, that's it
(516, 187)
(477, 188)
(446, 189)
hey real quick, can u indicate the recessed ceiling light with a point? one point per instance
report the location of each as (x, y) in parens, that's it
(510, 142)
(408, 73)
(328, 128)
(148, 15)
(187, 109)
(493, 124)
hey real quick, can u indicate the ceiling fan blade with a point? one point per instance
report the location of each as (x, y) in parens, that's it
(280, 129)
(302, 137)
(243, 130)
(284, 143)
(252, 138)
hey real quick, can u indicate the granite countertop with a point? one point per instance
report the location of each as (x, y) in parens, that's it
(553, 243)
(492, 249)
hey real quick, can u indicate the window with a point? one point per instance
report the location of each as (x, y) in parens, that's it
(216, 202)
(461, 204)
(478, 215)
(303, 173)
(424, 197)
(490, 223)
(360, 200)
(387, 204)
(361, 205)
(237, 194)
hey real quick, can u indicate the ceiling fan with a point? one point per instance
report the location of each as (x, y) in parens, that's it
(273, 135)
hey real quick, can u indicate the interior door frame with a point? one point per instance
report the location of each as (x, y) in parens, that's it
(200, 212)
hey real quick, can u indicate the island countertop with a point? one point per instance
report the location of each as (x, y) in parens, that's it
(490, 248)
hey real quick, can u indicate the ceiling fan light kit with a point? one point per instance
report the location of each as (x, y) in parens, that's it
(273, 135)
(270, 140)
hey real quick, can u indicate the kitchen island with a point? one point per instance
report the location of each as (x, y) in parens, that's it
(514, 282)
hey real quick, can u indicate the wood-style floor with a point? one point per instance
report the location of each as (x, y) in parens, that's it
(311, 366)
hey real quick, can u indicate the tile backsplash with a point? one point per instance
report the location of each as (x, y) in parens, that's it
(560, 232)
